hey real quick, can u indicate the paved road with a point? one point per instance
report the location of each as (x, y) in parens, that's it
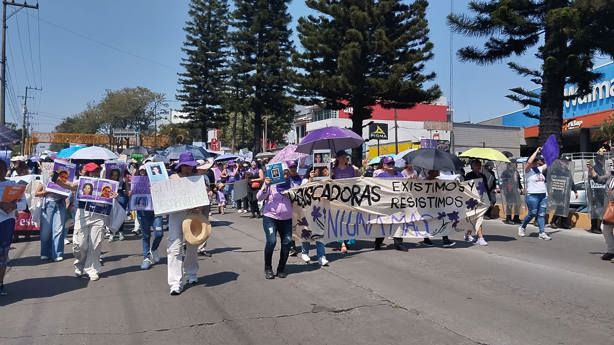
(515, 291)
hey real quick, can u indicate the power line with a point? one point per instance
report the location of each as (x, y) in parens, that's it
(107, 45)
(30, 44)
(23, 58)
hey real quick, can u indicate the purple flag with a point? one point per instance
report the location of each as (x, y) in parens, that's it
(550, 150)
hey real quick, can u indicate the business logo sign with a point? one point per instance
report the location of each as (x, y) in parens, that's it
(378, 131)
(573, 124)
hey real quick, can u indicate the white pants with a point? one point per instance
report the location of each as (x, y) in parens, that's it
(87, 241)
(177, 260)
(608, 235)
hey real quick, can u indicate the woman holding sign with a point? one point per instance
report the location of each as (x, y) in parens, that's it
(53, 217)
(277, 218)
(148, 222)
(8, 212)
(536, 194)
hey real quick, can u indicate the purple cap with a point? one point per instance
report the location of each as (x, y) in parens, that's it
(231, 163)
(388, 160)
(291, 164)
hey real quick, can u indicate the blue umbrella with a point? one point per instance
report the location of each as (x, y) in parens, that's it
(226, 157)
(67, 152)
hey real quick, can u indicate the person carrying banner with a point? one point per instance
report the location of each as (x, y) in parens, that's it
(52, 220)
(476, 173)
(179, 262)
(344, 169)
(536, 194)
(389, 171)
(607, 229)
(8, 213)
(432, 175)
(320, 249)
(277, 219)
(409, 171)
(148, 222)
(491, 186)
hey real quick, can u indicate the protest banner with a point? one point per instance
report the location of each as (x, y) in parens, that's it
(240, 191)
(140, 198)
(179, 194)
(156, 171)
(114, 170)
(371, 207)
(275, 172)
(96, 190)
(63, 171)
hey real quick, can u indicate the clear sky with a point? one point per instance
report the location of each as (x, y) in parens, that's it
(87, 47)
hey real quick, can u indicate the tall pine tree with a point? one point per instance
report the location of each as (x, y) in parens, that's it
(262, 66)
(567, 33)
(361, 52)
(206, 66)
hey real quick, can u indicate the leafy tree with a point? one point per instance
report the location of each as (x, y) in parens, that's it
(568, 34)
(262, 64)
(605, 131)
(206, 49)
(359, 52)
(178, 133)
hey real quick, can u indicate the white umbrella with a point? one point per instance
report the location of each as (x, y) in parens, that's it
(94, 153)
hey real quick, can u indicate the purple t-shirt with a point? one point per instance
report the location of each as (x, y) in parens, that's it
(277, 205)
(347, 172)
(385, 174)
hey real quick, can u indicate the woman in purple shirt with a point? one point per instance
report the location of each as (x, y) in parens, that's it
(277, 218)
(343, 169)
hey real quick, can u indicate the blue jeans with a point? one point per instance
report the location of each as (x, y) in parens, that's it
(271, 228)
(147, 220)
(536, 203)
(320, 251)
(52, 234)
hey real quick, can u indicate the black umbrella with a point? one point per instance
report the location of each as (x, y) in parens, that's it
(433, 159)
(173, 152)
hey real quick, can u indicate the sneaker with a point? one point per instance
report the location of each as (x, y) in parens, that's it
(78, 273)
(469, 238)
(293, 252)
(44, 258)
(121, 236)
(521, 232)
(111, 238)
(281, 274)
(146, 264)
(204, 252)
(192, 281)
(544, 236)
(175, 292)
(58, 259)
(155, 256)
(306, 258)
(94, 277)
(3, 290)
(448, 244)
(508, 221)
(482, 242)
(426, 242)
(67, 241)
(268, 273)
(323, 261)
(607, 256)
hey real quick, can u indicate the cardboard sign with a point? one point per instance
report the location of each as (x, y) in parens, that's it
(156, 172)
(65, 172)
(373, 207)
(140, 199)
(179, 194)
(96, 190)
(275, 172)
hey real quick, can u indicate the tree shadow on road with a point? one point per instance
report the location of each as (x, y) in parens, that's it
(34, 288)
(219, 278)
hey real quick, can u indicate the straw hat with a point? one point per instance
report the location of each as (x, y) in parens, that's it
(196, 229)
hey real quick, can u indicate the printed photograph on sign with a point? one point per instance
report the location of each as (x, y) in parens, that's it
(321, 164)
(275, 172)
(105, 190)
(87, 188)
(141, 202)
(114, 170)
(156, 172)
(64, 172)
(96, 190)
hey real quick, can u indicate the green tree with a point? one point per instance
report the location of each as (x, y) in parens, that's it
(567, 34)
(206, 71)
(605, 131)
(262, 64)
(359, 52)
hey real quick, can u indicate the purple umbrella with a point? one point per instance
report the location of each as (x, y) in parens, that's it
(333, 138)
(288, 153)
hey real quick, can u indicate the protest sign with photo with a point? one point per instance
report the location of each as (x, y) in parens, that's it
(12, 192)
(174, 195)
(371, 207)
(156, 171)
(64, 172)
(114, 170)
(275, 171)
(96, 190)
(140, 199)
(321, 164)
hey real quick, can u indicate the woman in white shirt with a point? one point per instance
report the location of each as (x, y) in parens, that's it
(536, 194)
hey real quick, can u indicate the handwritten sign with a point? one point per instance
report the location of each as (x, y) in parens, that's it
(372, 207)
(180, 194)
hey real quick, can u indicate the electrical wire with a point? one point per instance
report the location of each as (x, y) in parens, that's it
(30, 45)
(23, 59)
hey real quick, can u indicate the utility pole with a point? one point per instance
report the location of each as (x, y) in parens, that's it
(6, 3)
(396, 133)
(26, 121)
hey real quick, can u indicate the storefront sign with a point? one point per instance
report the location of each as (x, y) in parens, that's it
(573, 124)
(378, 131)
